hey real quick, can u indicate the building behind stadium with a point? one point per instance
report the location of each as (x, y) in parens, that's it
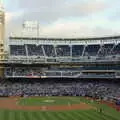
(2, 39)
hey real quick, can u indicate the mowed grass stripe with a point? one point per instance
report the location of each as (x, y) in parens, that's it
(112, 113)
(37, 116)
(28, 115)
(46, 116)
(87, 116)
(6, 115)
(22, 117)
(59, 116)
(103, 116)
(51, 116)
(2, 115)
(43, 116)
(17, 115)
(94, 116)
(62, 116)
(65, 116)
(81, 117)
(31, 115)
(11, 115)
(68, 115)
(97, 115)
(77, 116)
(80, 113)
(71, 115)
(109, 117)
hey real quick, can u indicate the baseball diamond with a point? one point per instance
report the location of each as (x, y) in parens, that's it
(34, 108)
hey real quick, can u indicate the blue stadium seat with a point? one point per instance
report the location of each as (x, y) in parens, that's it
(77, 50)
(91, 50)
(63, 50)
(106, 49)
(49, 50)
(17, 50)
(34, 50)
(116, 50)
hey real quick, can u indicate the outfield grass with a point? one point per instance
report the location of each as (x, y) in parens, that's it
(61, 115)
(108, 114)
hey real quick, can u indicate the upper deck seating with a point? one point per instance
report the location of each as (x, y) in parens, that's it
(106, 49)
(34, 50)
(63, 50)
(17, 50)
(77, 50)
(49, 50)
(91, 50)
(116, 50)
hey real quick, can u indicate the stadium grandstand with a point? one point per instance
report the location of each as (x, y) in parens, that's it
(63, 58)
(57, 78)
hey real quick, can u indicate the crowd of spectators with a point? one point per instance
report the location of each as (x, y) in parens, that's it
(104, 90)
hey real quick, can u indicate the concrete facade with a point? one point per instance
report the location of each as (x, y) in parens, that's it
(2, 33)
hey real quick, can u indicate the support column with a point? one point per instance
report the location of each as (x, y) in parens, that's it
(44, 52)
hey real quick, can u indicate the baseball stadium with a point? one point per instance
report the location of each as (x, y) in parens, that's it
(59, 78)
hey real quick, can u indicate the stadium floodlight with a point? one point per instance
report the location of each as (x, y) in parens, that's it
(31, 26)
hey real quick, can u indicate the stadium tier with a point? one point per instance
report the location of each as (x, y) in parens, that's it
(96, 89)
(69, 58)
(94, 50)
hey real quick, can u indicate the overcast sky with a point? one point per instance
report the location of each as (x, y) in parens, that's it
(65, 18)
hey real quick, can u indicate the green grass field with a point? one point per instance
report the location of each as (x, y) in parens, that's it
(108, 114)
(47, 101)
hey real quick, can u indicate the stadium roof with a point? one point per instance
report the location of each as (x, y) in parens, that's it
(89, 38)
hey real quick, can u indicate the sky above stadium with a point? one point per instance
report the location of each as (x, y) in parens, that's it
(65, 18)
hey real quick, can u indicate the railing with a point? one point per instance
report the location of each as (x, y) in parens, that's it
(36, 59)
(61, 74)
